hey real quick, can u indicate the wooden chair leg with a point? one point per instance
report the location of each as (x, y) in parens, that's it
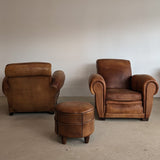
(86, 139)
(145, 119)
(102, 119)
(51, 112)
(11, 113)
(64, 140)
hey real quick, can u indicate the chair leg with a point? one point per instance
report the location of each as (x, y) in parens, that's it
(11, 113)
(51, 112)
(86, 139)
(64, 140)
(145, 119)
(102, 119)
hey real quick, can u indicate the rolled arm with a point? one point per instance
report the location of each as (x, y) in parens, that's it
(97, 87)
(58, 79)
(5, 85)
(148, 86)
(142, 81)
(93, 80)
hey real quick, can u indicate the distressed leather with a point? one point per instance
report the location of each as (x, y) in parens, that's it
(29, 87)
(118, 94)
(123, 95)
(116, 73)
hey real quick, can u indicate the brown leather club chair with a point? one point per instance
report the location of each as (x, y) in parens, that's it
(118, 94)
(30, 87)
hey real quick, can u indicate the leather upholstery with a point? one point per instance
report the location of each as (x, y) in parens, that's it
(74, 120)
(74, 107)
(123, 95)
(26, 69)
(29, 87)
(118, 94)
(116, 73)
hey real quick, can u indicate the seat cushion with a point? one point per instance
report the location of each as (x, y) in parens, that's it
(74, 107)
(123, 95)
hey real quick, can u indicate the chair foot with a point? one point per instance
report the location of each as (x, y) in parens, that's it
(51, 112)
(102, 119)
(11, 113)
(86, 139)
(64, 140)
(145, 119)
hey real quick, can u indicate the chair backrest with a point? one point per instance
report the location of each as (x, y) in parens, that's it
(116, 72)
(28, 69)
(29, 85)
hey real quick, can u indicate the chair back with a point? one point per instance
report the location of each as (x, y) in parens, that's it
(116, 72)
(29, 86)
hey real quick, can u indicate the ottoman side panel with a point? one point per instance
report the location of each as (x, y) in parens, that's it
(88, 116)
(69, 118)
(88, 128)
(70, 130)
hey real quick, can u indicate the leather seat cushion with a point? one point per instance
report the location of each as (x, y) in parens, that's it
(123, 95)
(74, 107)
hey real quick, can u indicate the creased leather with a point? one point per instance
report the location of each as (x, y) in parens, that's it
(97, 87)
(58, 79)
(118, 94)
(116, 73)
(148, 86)
(32, 92)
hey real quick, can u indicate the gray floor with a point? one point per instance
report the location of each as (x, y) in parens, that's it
(32, 137)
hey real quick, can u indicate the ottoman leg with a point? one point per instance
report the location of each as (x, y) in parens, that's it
(64, 139)
(86, 139)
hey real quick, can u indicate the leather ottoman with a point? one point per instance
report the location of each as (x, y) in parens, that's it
(74, 120)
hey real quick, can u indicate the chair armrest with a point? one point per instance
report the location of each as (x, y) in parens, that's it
(148, 86)
(97, 87)
(5, 85)
(94, 79)
(141, 82)
(58, 79)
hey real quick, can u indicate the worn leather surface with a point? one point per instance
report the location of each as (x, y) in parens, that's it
(26, 69)
(74, 119)
(122, 95)
(133, 107)
(116, 73)
(139, 82)
(74, 107)
(97, 86)
(34, 92)
(148, 86)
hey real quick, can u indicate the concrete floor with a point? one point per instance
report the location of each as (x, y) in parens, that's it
(32, 137)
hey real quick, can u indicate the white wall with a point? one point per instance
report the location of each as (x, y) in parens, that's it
(72, 34)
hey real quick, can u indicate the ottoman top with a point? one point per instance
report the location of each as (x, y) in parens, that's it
(74, 107)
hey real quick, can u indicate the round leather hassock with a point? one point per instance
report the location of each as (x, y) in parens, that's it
(74, 119)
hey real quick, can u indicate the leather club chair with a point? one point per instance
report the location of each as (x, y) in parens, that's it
(118, 94)
(30, 87)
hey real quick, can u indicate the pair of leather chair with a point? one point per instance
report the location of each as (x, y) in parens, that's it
(118, 94)
(30, 87)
